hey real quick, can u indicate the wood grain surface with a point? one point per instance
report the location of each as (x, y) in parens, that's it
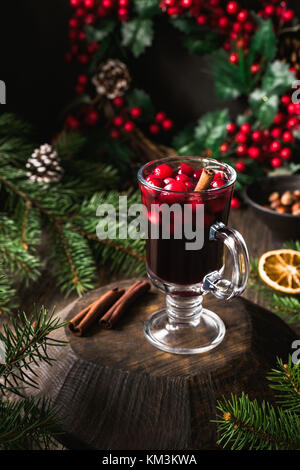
(114, 390)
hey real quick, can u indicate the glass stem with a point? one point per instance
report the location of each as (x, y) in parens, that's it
(184, 311)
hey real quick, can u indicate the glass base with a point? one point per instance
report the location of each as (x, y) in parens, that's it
(203, 333)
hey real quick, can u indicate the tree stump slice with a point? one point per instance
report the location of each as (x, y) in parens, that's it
(114, 390)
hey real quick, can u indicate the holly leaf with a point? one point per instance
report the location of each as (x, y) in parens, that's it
(185, 25)
(264, 41)
(183, 139)
(94, 34)
(147, 7)
(211, 131)
(137, 34)
(200, 46)
(229, 83)
(264, 107)
(278, 78)
(140, 98)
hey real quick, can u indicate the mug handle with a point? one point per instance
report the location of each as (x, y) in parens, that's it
(220, 287)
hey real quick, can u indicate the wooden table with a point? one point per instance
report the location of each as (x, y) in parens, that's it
(258, 238)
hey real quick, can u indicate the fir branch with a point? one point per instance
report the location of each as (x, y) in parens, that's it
(242, 423)
(123, 255)
(73, 261)
(8, 294)
(69, 144)
(286, 306)
(26, 341)
(292, 245)
(26, 424)
(15, 259)
(286, 379)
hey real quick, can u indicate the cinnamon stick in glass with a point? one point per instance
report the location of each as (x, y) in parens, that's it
(89, 315)
(117, 310)
(205, 179)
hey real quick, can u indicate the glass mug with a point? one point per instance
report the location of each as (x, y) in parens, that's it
(184, 326)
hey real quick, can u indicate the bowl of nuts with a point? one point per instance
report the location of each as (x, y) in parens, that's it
(276, 200)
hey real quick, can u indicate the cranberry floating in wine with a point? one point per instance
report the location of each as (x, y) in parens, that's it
(188, 200)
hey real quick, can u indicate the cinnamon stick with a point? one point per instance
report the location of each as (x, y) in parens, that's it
(117, 310)
(84, 319)
(205, 179)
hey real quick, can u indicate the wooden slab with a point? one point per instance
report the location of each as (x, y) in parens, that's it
(115, 390)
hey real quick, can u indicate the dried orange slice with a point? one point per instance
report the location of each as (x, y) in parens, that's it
(280, 269)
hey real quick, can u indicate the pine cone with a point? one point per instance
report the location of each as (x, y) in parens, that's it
(112, 79)
(44, 165)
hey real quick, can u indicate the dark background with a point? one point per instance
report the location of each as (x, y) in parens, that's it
(34, 39)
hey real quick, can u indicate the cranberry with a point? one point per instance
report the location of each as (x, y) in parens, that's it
(155, 181)
(286, 153)
(276, 132)
(118, 102)
(218, 183)
(254, 153)
(160, 117)
(245, 128)
(169, 180)
(256, 136)
(240, 167)
(241, 138)
(186, 169)
(189, 186)
(231, 128)
(232, 8)
(197, 173)
(182, 177)
(172, 198)
(288, 137)
(276, 162)
(242, 150)
(275, 146)
(163, 171)
(285, 100)
(218, 175)
(235, 203)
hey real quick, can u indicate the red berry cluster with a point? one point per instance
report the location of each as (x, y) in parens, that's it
(87, 12)
(184, 179)
(230, 19)
(162, 122)
(124, 119)
(274, 144)
(85, 117)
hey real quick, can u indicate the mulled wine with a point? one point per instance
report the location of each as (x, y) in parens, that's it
(200, 190)
(168, 259)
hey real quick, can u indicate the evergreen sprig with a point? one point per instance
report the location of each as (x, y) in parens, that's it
(28, 424)
(26, 342)
(66, 211)
(243, 423)
(286, 380)
(8, 294)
